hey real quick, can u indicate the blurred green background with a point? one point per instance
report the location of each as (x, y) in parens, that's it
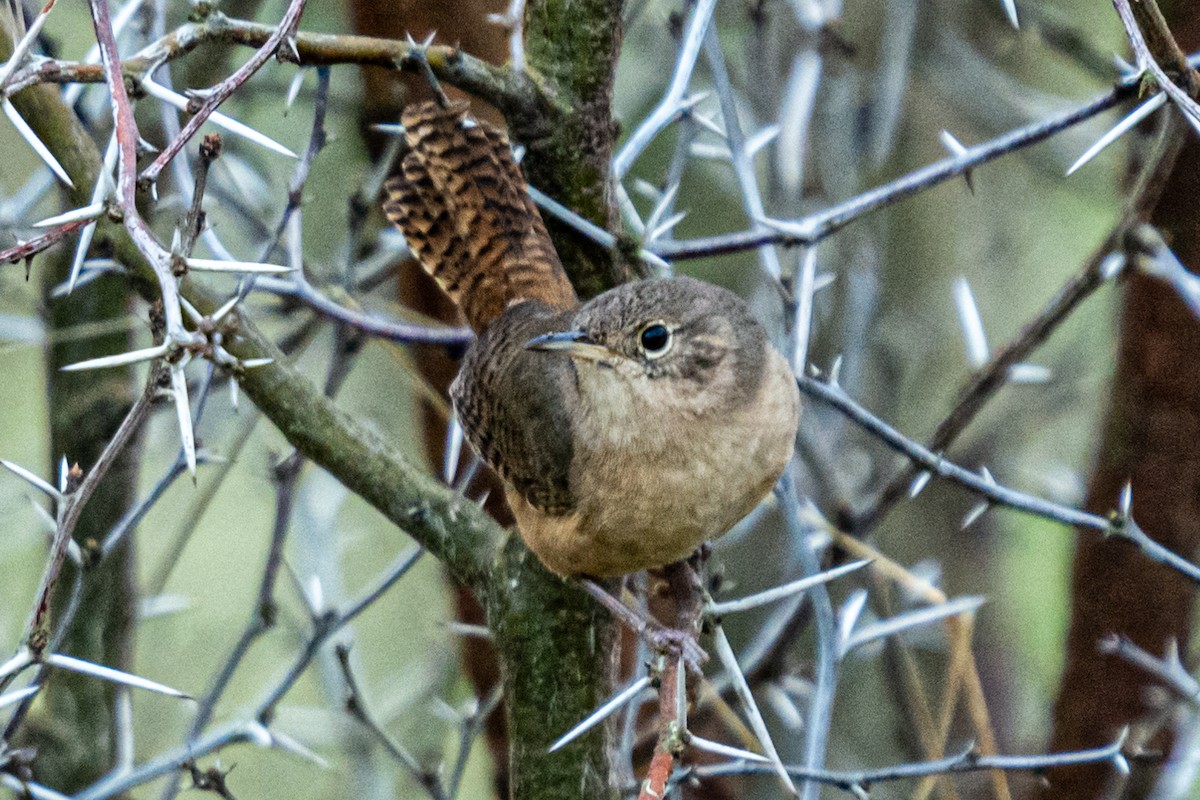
(906, 71)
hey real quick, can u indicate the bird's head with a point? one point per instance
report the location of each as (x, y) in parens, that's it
(681, 336)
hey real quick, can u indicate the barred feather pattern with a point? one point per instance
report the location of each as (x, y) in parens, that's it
(460, 201)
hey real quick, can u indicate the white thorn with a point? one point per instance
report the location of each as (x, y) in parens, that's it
(183, 413)
(29, 136)
(1115, 132)
(214, 265)
(971, 324)
(109, 674)
(1010, 10)
(37, 482)
(87, 212)
(120, 359)
(217, 118)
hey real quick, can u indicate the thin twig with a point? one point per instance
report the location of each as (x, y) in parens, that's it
(821, 224)
(127, 143)
(982, 485)
(1168, 670)
(989, 379)
(218, 94)
(74, 501)
(968, 760)
(497, 85)
(25, 251)
(1168, 50)
(356, 704)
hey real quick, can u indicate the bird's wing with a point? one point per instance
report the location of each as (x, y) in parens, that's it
(512, 406)
(461, 202)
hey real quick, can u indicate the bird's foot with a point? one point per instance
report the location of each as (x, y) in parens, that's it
(676, 642)
(662, 639)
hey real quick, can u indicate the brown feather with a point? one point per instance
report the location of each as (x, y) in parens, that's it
(461, 202)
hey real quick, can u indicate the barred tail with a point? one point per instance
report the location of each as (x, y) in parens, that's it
(461, 202)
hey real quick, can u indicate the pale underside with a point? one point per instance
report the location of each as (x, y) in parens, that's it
(652, 496)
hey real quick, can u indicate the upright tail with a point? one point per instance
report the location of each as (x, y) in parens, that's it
(461, 202)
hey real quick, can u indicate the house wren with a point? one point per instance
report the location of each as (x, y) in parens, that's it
(628, 430)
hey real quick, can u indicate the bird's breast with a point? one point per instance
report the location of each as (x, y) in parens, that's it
(656, 475)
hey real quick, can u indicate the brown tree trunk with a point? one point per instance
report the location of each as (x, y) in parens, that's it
(385, 93)
(1152, 438)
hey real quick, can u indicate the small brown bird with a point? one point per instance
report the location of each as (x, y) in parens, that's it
(628, 430)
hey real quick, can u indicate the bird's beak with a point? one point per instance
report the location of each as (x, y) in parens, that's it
(574, 343)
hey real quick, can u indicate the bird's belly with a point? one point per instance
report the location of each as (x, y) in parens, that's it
(647, 503)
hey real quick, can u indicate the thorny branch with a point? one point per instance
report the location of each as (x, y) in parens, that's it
(684, 591)
(212, 98)
(71, 499)
(127, 144)
(75, 500)
(821, 224)
(857, 783)
(985, 382)
(256, 729)
(488, 82)
(494, 84)
(25, 251)
(433, 518)
(1118, 524)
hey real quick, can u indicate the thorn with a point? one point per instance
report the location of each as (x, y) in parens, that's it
(78, 665)
(848, 616)
(1029, 373)
(835, 371)
(618, 700)
(230, 124)
(742, 688)
(453, 450)
(1112, 266)
(974, 514)
(294, 88)
(229, 305)
(120, 359)
(20, 694)
(958, 150)
(189, 309)
(183, 413)
(32, 139)
(970, 323)
(1115, 132)
(919, 483)
(783, 592)
(423, 63)
(216, 265)
(1010, 10)
(87, 212)
(36, 481)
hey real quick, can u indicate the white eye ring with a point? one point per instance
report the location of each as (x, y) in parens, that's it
(655, 340)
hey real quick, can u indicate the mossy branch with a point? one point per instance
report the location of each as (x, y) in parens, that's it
(555, 644)
(451, 527)
(516, 94)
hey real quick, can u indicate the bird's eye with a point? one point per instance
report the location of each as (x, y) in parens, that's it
(655, 340)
